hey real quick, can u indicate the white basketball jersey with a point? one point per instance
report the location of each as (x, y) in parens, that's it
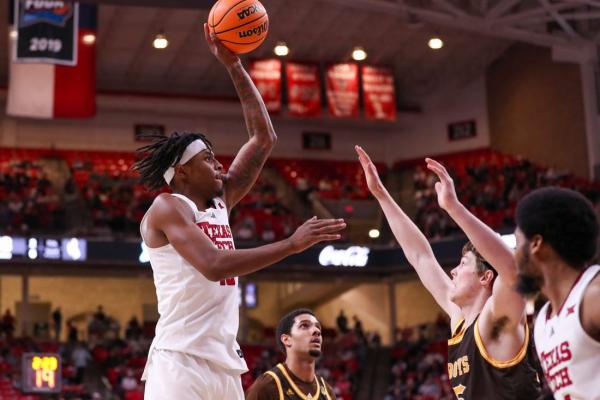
(570, 358)
(198, 316)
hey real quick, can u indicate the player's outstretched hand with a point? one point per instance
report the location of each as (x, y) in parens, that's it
(373, 181)
(314, 231)
(446, 194)
(227, 57)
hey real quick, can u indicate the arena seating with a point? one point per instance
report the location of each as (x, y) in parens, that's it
(419, 360)
(10, 367)
(120, 357)
(489, 183)
(116, 201)
(28, 201)
(330, 179)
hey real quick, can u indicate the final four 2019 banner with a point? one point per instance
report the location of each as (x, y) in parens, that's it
(46, 31)
(53, 68)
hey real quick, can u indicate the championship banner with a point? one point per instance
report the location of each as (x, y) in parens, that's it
(304, 89)
(46, 31)
(42, 89)
(342, 90)
(266, 75)
(378, 93)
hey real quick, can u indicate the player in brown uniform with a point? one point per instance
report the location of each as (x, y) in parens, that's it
(489, 352)
(299, 337)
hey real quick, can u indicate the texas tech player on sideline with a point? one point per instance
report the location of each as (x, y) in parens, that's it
(489, 352)
(557, 234)
(194, 354)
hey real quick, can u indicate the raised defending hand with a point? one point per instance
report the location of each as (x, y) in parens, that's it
(446, 194)
(314, 231)
(227, 57)
(373, 181)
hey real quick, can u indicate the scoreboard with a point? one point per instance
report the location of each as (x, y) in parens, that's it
(65, 249)
(41, 373)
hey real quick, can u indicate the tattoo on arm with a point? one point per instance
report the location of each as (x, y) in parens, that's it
(255, 112)
(249, 167)
(244, 171)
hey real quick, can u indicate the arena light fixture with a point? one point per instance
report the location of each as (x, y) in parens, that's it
(281, 49)
(160, 41)
(435, 43)
(359, 54)
(89, 38)
(374, 233)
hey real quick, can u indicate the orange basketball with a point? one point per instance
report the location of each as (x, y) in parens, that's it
(240, 25)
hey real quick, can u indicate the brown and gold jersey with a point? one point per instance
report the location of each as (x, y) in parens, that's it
(281, 384)
(475, 375)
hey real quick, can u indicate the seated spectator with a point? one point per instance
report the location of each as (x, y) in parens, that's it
(245, 229)
(134, 329)
(80, 357)
(129, 382)
(8, 324)
(268, 234)
(72, 333)
(342, 322)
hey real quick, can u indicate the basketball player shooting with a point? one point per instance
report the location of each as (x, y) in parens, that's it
(194, 354)
(299, 338)
(489, 352)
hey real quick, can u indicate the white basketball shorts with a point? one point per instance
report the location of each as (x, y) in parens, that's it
(171, 375)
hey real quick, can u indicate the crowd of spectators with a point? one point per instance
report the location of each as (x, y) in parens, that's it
(116, 205)
(490, 184)
(117, 201)
(118, 357)
(106, 365)
(261, 216)
(71, 353)
(419, 368)
(29, 203)
(327, 179)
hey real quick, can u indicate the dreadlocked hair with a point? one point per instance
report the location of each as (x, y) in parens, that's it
(164, 152)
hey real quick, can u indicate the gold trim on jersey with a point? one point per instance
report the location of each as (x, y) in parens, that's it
(296, 389)
(501, 364)
(457, 337)
(455, 327)
(277, 382)
(325, 389)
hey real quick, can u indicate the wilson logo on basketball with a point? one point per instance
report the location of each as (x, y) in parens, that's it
(240, 28)
(257, 31)
(253, 9)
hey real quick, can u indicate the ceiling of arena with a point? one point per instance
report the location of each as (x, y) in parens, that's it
(393, 32)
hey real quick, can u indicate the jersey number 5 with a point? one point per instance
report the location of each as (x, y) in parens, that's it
(458, 390)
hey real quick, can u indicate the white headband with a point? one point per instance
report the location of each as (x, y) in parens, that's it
(193, 148)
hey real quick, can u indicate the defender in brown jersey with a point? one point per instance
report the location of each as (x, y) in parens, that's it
(489, 352)
(299, 337)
